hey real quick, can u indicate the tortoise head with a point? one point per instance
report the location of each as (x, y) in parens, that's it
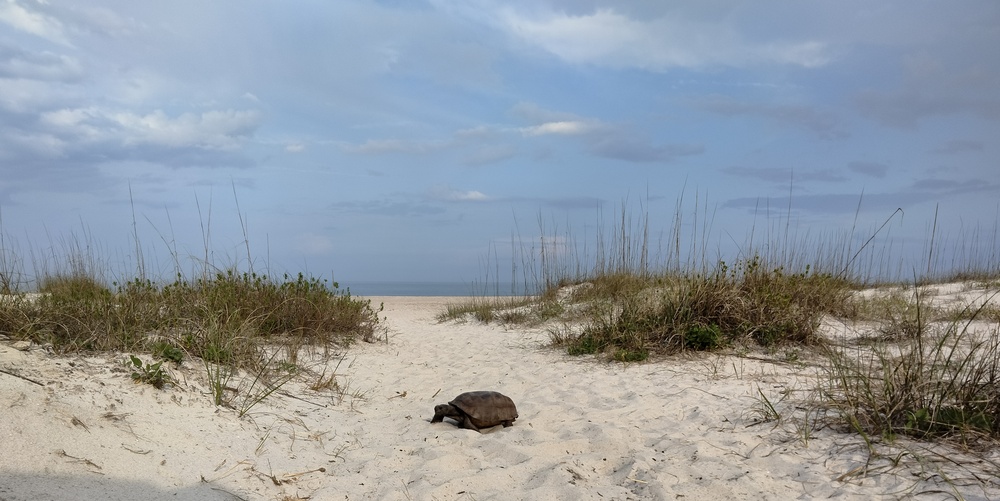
(442, 410)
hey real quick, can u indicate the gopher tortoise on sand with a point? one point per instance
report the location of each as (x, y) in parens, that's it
(475, 410)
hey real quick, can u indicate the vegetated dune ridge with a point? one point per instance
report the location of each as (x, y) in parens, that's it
(687, 426)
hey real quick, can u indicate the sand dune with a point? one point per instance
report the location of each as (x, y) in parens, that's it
(682, 428)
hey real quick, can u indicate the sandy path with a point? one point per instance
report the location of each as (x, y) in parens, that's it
(675, 429)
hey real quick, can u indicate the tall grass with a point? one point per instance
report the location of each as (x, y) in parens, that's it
(664, 291)
(673, 289)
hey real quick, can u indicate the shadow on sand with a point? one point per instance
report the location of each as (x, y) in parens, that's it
(40, 487)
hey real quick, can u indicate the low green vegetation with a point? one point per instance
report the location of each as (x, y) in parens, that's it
(235, 323)
(224, 318)
(746, 304)
(148, 373)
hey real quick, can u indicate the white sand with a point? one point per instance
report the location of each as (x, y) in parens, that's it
(681, 428)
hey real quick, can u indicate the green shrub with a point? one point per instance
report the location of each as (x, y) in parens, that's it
(224, 318)
(584, 345)
(637, 355)
(152, 374)
(703, 338)
(168, 352)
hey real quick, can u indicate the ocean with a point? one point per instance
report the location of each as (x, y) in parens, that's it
(430, 289)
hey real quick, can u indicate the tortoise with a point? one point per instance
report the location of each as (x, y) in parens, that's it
(475, 410)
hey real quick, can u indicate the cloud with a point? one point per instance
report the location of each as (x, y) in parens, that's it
(442, 52)
(490, 154)
(81, 148)
(217, 129)
(104, 21)
(476, 133)
(564, 128)
(225, 129)
(485, 142)
(392, 208)
(17, 63)
(448, 194)
(823, 124)
(956, 146)
(24, 98)
(490, 144)
(460, 138)
(943, 81)
(954, 186)
(39, 145)
(548, 122)
(380, 146)
(606, 37)
(905, 110)
(833, 203)
(631, 149)
(600, 138)
(921, 191)
(872, 169)
(36, 23)
(785, 176)
(295, 147)
(534, 114)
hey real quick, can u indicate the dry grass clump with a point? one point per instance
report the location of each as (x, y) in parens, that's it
(939, 381)
(748, 303)
(504, 310)
(226, 318)
(566, 300)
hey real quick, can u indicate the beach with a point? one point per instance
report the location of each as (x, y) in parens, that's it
(682, 427)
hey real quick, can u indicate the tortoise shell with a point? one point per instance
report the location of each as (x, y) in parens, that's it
(478, 409)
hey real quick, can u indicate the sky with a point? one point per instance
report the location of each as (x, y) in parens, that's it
(428, 140)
